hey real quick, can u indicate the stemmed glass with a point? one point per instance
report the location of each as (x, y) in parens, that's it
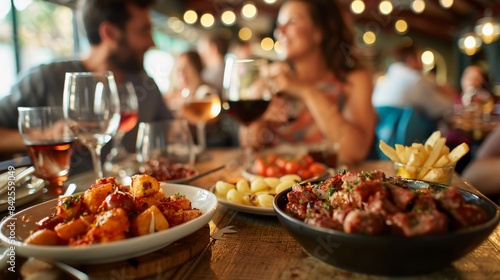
(92, 109)
(199, 107)
(48, 139)
(117, 159)
(247, 94)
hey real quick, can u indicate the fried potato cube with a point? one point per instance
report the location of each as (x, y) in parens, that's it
(74, 228)
(69, 207)
(114, 221)
(143, 185)
(96, 195)
(149, 221)
(43, 237)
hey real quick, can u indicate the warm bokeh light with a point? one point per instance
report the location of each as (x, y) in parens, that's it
(277, 47)
(270, 1)
(190, 17)
(385, 7)
(249, 11)
(358, 6)
(207, 20)
(245, 34)
(267, 44)
(428, 58)
(369, 38)
(228, 17)
(469, 43)
(488, 29)
(418, 6)
(446, 3)
(401, 26)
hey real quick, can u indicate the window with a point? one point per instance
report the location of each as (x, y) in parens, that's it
(44, 32)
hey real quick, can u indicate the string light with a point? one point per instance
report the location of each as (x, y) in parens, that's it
(469, 43)
(228, 17)
(385, 7)
(488, 28)
(401, 26)
(190, 17)
(357, 6)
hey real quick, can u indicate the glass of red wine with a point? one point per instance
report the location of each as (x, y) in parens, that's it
(247, 94)
(48, 139)
(118, 162)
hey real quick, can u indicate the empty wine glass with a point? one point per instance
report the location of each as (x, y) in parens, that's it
(48, 140)
(199, 107)
(92, 109)
(118, 160)
(247, 94)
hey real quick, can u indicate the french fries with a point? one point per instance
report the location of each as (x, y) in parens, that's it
(428, 161)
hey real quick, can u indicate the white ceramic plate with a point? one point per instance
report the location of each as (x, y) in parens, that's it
(114, 251)
(246, 208)
(26, 192)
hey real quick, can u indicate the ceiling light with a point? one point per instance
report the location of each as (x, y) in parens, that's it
(245, 34)
(228, 17)
(267, 44)
(446, 3)
(357, 6)
(207, 20)
(488, 28)
(418, 6)
(428, 58)
(369, 37)
(401, 26)
(190, 17)
(469, 43)
(249, 11)
(385, 7)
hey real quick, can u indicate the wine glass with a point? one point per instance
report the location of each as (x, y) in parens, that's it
(48, 139)
(164, 144)
(91, 107)
(117, 161)
(247, 94)
(199, 107)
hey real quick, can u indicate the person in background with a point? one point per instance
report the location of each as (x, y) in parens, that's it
(187, 79)
(482, 171)
(212, 48)
(185, 76)
(321, 79)
(405, 86)
(474, 79)
(119, 33)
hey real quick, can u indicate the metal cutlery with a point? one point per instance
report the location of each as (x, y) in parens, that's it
(18, 178)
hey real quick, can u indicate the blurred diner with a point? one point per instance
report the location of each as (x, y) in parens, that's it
(119, 33)
(322, 92)
(187, 80)
(482, 171)
(404, 85)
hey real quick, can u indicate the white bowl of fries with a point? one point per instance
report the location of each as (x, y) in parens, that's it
(432, 161)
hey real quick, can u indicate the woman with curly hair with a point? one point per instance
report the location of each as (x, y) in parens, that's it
(321, 79)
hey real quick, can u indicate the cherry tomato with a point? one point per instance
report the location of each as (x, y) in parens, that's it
(281, 162)
(271, 159)
(308, 160)
(259, 167)
(273, 171)
(292, 167)
(317, 168)
(304, 173)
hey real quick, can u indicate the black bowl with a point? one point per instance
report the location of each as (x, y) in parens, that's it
(389, 255)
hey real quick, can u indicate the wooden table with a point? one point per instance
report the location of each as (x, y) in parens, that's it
(262, 249)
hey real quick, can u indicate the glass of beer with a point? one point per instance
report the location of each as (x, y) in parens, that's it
(48, 139)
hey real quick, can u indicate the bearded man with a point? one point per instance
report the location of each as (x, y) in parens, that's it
(119, 33)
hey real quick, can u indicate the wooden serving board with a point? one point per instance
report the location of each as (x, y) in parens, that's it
(153, 263)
